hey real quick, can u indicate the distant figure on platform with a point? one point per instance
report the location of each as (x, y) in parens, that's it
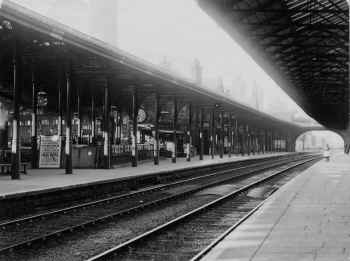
(327, 153)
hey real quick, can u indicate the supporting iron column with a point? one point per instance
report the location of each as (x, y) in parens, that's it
(189, 133)
(248, 139)
(256, 142)
(268, 141)
(15, 149)
(221, 135)
(106, 126)
(60, 111)
(212, 134)
(230, 135)
(253, 141)
(134, 112)
(201, 134)
(68, 147)
(174, 152)
(156, 133)
(242, 139)
(93, 120)
(276, 142)
(259, 140)
(273, 147)
(236, 137)
(34, 122)
(119, 128)
(78, 116)
(264, 140)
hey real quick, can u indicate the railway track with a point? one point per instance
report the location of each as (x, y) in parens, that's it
(193, 234)
(26, 231)
(34, 204)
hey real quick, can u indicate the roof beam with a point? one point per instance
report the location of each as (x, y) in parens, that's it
(316, 26)
(290, 11)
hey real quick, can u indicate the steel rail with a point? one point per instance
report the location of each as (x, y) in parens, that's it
(110, 252)
(226, 233)
(147, 204)
(128, 195)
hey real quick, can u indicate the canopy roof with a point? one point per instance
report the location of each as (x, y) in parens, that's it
(302, 44)
(46, 44)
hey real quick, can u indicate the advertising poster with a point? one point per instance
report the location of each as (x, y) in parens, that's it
(50, 148)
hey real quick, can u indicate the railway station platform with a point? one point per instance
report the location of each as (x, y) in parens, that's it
(48, 180)
(306, 219)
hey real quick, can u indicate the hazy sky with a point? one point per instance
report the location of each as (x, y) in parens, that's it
(182, 32)
(333, 139)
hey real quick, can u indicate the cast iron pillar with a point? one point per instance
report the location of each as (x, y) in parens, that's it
(93, 120)
(134, 112)
(15, 148)
(248, 139)
(221, 135)
(189, 133)
(242, 139)
(253, 140)
(106, 126)
(201, 134)
(34, 122)
(236, 137)
(262, 140)
(68, 145)
(212, 133)
(78, 117)
(230, 135)
(60, 110)
(156, 131)
(174, 152)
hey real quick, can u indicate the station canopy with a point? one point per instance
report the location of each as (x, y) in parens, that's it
(49, 49)
(302, 44)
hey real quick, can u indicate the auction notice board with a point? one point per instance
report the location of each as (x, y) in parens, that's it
(50, 152)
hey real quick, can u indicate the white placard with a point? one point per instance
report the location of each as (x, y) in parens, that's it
(50, 152)
(14, 136)
(105, 144)
(67, 147)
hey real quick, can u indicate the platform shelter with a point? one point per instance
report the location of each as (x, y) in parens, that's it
(77, 102)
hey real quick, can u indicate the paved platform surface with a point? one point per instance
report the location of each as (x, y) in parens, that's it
(44, 179)
(307, 219)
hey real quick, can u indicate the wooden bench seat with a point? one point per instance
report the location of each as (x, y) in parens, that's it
(5, 168)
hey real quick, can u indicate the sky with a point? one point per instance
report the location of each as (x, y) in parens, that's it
(332, 139)
(180, 33)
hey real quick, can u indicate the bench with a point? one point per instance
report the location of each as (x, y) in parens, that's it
(6, 168)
